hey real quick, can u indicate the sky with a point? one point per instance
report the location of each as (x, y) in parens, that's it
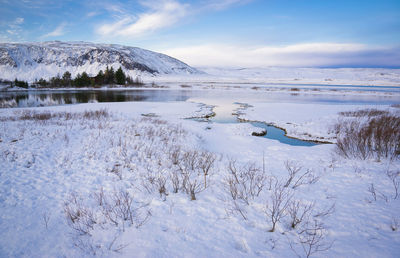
(226, 33)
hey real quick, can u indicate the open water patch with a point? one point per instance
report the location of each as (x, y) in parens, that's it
(227, 113)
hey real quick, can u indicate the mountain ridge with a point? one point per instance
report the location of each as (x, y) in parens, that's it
(30, 61)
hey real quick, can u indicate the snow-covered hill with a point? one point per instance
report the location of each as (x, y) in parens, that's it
(288, 75)
(30, 61)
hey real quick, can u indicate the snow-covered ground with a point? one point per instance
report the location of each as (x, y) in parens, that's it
(91, 157)
(283, 75)
(304, 121)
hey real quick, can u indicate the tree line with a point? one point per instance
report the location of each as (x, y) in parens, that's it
(108, 77)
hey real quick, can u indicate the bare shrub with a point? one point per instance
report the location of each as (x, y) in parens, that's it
(46, 218)
(297, 177)
(325, 212)
(378, 137)
(312, 239)
(364, 113)
(245, 182)
(395, 223)
(175, 180)
(161, 182)
(86, 245)
(293, 169)
(191, 177)
(194, 166)
(123, 206)
(96, 115)
(174, 154)
(79, 217)
(44, 116)
(394, 177)
(34, 115)
(277, 204)
(120, 208)
(372, 190)
(299, 212)
(236, 208)
(375, 193)
(100, 197)
(206, 163)
(116, 170)
(148, 180)
(116, 248)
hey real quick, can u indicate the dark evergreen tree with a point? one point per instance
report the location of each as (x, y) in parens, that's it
(85, 79)
(21, 84)
(66, 79)
(78, 81)
(56, 81)
(99, 79)
(42, 82)
(82, 80)
(120, 77)
(109, 76)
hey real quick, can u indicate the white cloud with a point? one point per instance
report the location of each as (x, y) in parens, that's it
(60, 30)
(4, 38)
(19, 20)
(114, 8)
(298, 55)
(162, 14)
(92, 14)
(16, 24)
(223, 4)
(14, 30)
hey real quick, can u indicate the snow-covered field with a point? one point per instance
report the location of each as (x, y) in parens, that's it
(283, 75)
(304, 121)
(100, 179)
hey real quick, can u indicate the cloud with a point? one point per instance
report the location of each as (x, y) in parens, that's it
(5, 38)
(19, 20)
(223, 4)
(60, 30)
(92, 14)
(14, 30)
(16, 24)
(161, 14)
(298, 55)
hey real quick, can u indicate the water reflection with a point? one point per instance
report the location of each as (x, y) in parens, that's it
(49, 98)
(61, 97)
